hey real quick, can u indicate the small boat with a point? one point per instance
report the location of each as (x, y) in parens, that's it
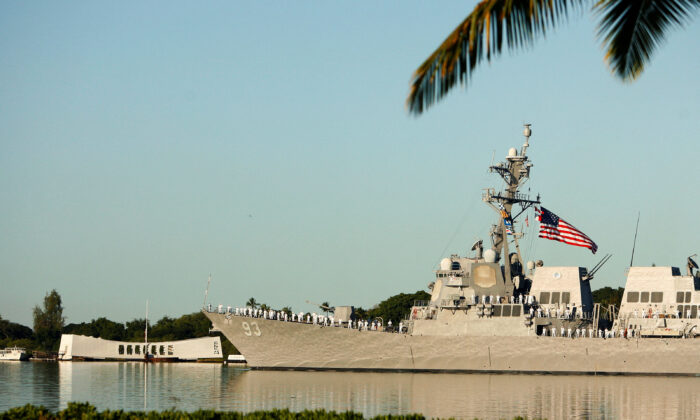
(236, 359)
(14, 353)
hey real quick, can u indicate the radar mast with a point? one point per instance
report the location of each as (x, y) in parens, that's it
(515, 172)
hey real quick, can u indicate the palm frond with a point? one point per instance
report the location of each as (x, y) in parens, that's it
(517, 23)
(632, 29)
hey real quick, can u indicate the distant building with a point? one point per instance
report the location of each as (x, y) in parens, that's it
(80, 347)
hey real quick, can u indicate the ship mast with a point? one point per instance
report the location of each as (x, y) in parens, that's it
(515, 171)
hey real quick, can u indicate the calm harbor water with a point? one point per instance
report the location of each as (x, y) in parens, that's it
(135, 386)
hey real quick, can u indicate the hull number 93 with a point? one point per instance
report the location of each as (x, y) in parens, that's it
(251, 329)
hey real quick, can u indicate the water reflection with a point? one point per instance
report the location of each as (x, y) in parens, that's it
(469, 396)
(193, 386)
(20, 383)
(136, 386)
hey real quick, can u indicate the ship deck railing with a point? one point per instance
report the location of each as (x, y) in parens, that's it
(373, 325)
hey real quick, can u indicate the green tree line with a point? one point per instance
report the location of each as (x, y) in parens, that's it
(49, 324)
(608, 296)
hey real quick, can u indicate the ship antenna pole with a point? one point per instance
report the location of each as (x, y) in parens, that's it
(635, 239)
(206, 292)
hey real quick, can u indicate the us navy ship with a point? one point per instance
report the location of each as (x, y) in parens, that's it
(491, 312)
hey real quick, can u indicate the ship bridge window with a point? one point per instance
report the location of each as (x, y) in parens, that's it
(657, 297)
(632, 297)
(644, 297)
(693, 311)
(121, 349)
(162, 350)
(687, 297)
(544, 298)
(129, 350)
(555, 297)
(153, 350)
(456, 266)
(516, 310)
(565, 297)
(170, 350)
(675, 271)
(506, 310)
(679, 297)
(497, 310)
(137, 349)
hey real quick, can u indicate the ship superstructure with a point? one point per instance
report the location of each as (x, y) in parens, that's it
(661, 302)
(492, 292)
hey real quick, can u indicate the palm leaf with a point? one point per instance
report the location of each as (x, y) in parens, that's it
(632, 29)
(517, 23)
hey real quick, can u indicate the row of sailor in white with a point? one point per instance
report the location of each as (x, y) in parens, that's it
(588, 333)
(655, 313)
(563, 313)
(312, 318)
(519, 299)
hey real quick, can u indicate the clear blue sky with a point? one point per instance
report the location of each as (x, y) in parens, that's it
(144, 145)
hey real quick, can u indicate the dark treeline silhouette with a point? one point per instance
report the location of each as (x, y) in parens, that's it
(608, 296)
(394, 308)
(49, 324)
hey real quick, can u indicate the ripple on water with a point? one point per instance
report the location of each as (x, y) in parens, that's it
(190, 386)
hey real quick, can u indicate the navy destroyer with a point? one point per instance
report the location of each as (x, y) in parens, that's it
(492, 312)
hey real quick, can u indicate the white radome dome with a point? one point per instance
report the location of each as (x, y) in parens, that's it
(445, 264)
(490, 256)
(512, 152)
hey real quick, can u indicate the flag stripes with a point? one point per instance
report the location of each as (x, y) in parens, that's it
(555, 228)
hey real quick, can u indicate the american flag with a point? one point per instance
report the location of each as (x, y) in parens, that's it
(555, 228)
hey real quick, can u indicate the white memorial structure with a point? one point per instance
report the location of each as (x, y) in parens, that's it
(80, 347)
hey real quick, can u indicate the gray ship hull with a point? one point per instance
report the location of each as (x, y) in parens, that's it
(268, 344)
